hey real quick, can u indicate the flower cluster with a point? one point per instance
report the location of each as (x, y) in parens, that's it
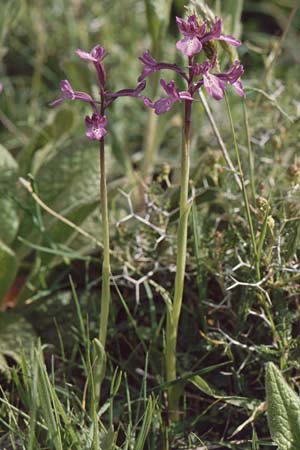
(195, 36)
(96, 123)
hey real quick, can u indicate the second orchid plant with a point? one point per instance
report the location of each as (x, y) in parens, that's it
(197, 37)
(96, 130)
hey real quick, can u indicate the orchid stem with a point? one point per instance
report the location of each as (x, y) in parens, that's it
(105, 289)
(173, 314)
(105, 292)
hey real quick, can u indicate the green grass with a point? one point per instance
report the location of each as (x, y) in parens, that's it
(241, 298)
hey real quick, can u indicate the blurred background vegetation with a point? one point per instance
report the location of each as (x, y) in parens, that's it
(39, 253)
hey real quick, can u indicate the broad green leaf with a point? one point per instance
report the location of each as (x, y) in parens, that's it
(16, 338)
(8, 268)
(283, 410)
(59, 123)
(9, 220)
(63, 122)
(70, 176)
(69, 184)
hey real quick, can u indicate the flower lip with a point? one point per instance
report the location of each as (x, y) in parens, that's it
(164, 104)
(96, 126)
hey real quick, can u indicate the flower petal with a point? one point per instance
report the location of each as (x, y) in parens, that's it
(163, 105)
(147, 102)
(189, 46)
(239, 88)
(230, 40)
(86, 56)
(98, 53)
(214, 86)
(96, 127)
(170, 89)
(67, 89)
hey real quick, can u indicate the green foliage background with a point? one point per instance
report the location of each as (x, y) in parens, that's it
(219, 326)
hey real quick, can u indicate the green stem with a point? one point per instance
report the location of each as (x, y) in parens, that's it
(105, 291)
(99, 357)
(173, 314)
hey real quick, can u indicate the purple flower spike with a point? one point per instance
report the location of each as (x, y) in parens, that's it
(96, 127)
(96, 55)
(1, 88)
(190, 44)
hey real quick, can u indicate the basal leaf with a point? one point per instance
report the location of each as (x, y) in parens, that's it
(9, 220)
(283, 410)
(69, 184)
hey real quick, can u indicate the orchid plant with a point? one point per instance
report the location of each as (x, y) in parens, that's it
(196, 37)
(96, 130)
